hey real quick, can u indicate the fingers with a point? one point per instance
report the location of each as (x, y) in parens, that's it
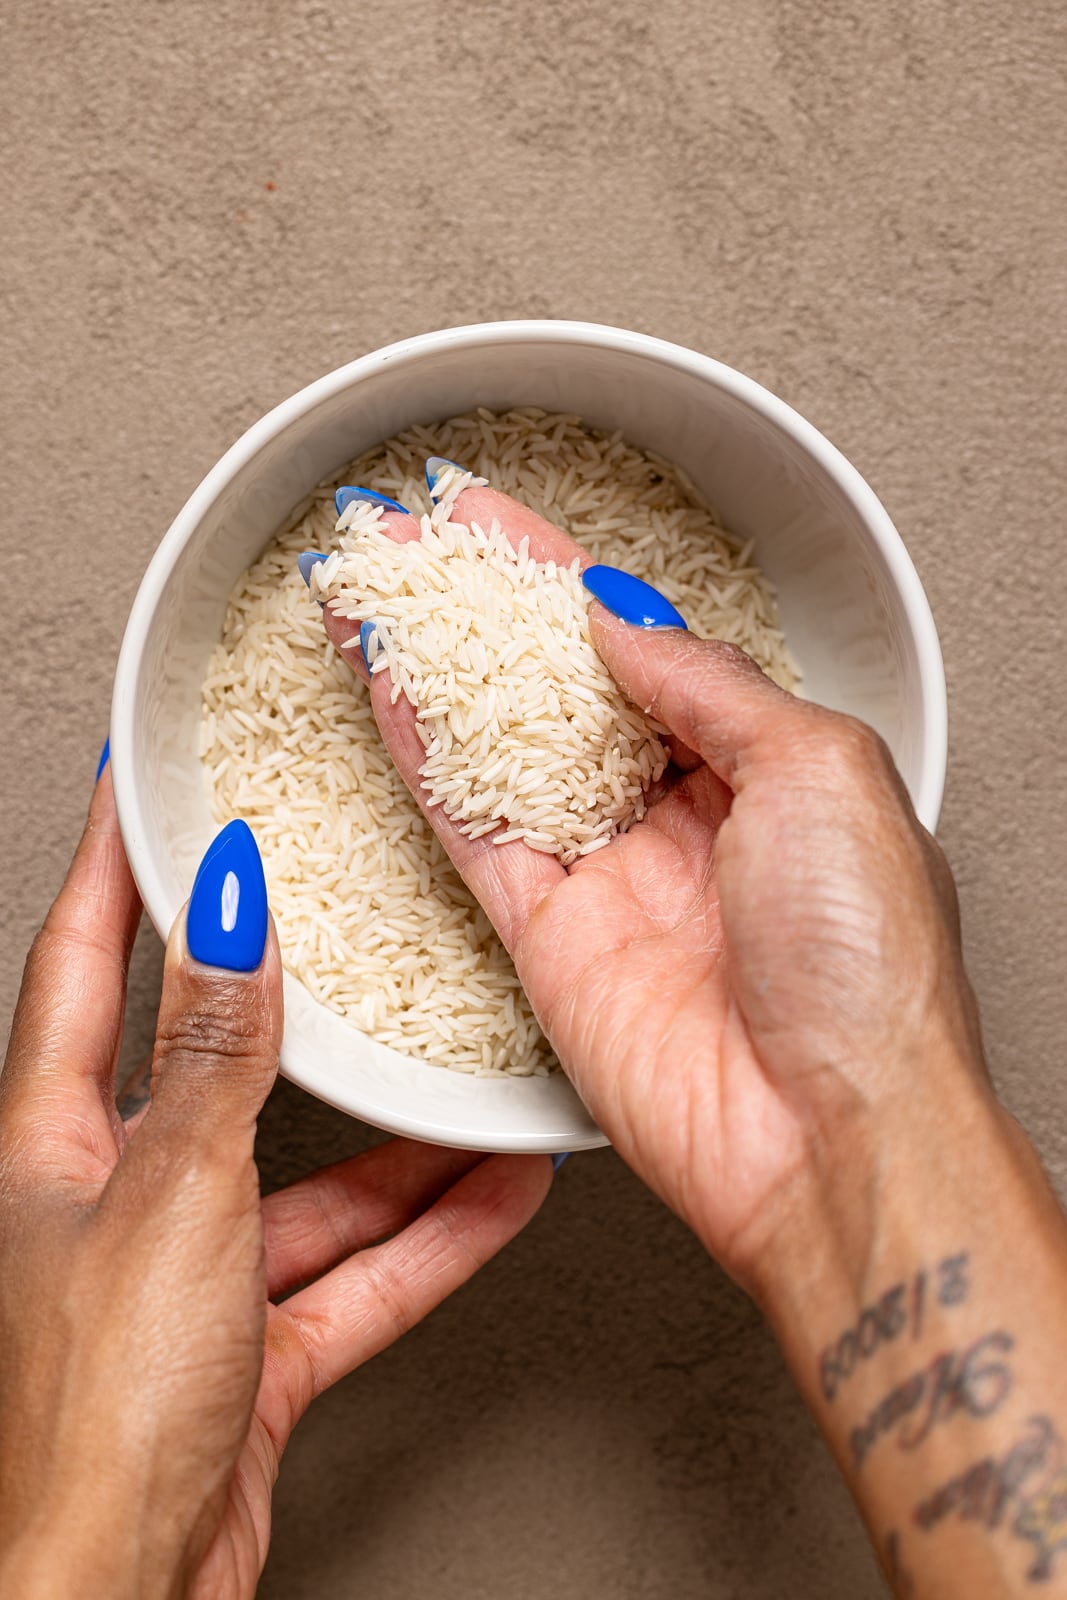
(360, 1307)
(547, 542)
(343, 632)
(220, 1014)
(508, 880)
(329, 1215)
(711, 695)
(68, 1023)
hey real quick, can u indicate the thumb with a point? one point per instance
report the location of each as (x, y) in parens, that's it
(220, 1014)
(712, 697)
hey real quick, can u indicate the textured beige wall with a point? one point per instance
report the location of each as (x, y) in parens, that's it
(860, 203)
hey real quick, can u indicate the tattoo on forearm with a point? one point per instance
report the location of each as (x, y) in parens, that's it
(901, 1308)
(969, 1380)
(1025, 1490)
(1022, 1490)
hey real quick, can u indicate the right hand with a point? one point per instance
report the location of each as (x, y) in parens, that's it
(759, 993)
(751, 980)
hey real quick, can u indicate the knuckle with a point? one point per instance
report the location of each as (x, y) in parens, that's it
(856, 746)
(202, 1034)
(732, 655)
(306, 1335)
(391, 1291)
(730, 662)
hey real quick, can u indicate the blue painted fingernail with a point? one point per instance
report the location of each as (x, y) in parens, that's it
(226, 924)
(435, 465)
(344, 497)
(631, 598)
(305, 561)
(105, 757)
(557, 1161)
(366, 634)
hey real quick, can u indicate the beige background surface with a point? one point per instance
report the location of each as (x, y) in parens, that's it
(861, 205)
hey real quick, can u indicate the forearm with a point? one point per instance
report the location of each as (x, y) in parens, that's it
(934, 1359)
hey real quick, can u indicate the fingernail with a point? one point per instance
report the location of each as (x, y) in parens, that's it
(226, 924)
(344, 497)
(105, 757)
(305, 561)
(366, 635)
(557, 1161)
(631, 598)
(435, 465)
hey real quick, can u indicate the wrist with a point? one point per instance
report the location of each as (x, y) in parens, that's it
(923, 1329)
(56, 1556)
(893, 1181)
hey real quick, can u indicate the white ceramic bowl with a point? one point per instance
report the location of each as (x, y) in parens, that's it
(854, 612)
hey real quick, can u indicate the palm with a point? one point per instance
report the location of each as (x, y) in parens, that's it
(625, 963)
(623, 958)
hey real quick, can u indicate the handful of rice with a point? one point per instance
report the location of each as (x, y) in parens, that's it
(527, 736)
(372, 917)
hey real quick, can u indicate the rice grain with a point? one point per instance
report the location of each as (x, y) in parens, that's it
(371, 915)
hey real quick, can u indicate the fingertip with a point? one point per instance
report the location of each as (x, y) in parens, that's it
(306, 563)
(227, 917)
(345, 496)
(711, 696)
(631, 599)
(369, 644)
(435, 467)
(519, 1184)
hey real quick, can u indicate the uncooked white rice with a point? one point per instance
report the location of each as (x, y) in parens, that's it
(525, 732)
(371, 915)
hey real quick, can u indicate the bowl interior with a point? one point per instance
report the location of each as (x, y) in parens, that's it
(853, 613)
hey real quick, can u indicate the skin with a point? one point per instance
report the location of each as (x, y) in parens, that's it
(782, 825)
(758, 991)
(149, 1382)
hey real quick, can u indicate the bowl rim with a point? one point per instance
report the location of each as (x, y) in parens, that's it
(848, 479)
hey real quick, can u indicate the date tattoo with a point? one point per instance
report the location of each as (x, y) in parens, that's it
(971, 1380)
(902, 1308)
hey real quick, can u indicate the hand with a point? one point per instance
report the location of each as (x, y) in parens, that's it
(149, 1384)
(743, 985)
(759, 993)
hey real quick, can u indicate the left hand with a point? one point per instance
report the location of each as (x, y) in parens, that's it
(149, 1384)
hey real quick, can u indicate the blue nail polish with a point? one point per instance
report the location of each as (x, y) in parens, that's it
(344, 497)
(226, 924)
(435, 465)
(366, 634)
(305, 561)
(557, 1161)
(105, 757)
(631, 599)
